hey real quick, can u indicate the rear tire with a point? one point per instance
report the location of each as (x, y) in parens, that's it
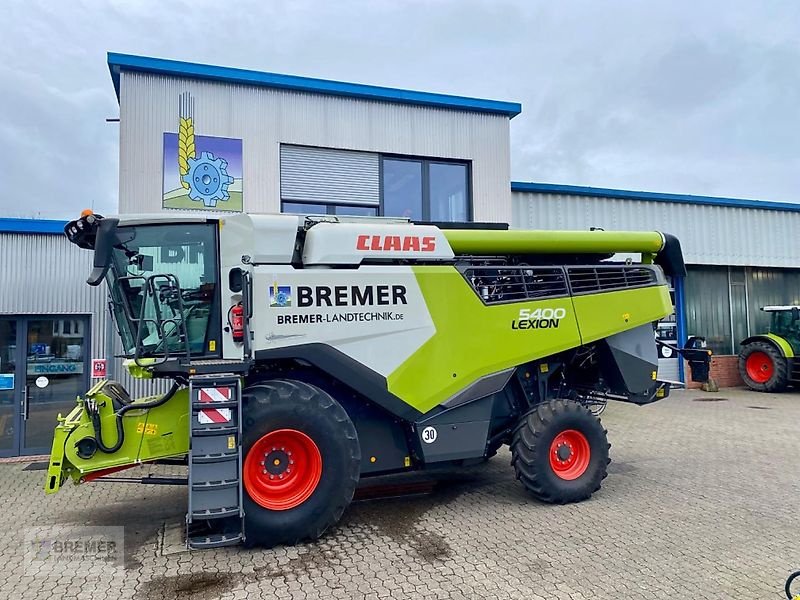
(279, 416)
(763, 368)
(560, 452)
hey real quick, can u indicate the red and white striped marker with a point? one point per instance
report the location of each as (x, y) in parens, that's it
(214, 415)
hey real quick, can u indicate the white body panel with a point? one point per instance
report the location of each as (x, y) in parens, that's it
(375, 314)
(264, 238)
(350, 244)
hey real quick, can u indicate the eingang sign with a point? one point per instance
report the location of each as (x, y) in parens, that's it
(56, 367)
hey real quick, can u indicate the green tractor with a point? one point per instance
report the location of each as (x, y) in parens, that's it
(767, 361)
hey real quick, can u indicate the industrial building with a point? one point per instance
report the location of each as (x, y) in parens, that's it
(272, 143)
(734, 267)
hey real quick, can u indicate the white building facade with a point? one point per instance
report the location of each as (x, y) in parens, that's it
(295, 144)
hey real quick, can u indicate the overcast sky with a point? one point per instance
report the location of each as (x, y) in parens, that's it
(675, 96)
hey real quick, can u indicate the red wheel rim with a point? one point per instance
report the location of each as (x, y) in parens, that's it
(759, 367)
(282, 469)
(570, 454)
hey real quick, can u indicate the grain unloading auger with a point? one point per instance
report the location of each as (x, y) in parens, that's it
(307, 352)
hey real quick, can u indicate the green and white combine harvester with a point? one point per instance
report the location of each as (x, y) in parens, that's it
(305, 353)
(767, 362)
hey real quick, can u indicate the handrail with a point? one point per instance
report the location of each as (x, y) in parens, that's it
(160, 323)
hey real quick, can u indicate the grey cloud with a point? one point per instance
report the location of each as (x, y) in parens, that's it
(682, 97)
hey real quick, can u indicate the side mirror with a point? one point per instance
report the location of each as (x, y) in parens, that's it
(105, 239)
(235, 280)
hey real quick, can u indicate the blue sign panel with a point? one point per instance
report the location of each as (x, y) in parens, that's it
(38, 349)
(6, 381)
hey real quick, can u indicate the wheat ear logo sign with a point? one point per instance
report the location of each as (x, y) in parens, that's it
(200, 172)
(186, 147)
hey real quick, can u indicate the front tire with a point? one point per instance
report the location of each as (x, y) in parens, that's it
(301, 462)
(763, 368)
(560, 452)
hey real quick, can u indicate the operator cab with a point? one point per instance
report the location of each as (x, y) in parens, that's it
(163, 279)
(785, 322)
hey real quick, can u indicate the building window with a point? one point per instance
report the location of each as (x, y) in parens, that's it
(345, 182)
(304, 208)
(425, 190)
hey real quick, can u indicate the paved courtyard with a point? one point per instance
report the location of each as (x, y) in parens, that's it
(700, 502)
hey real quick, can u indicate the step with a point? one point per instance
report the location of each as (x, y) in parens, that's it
(206, 459)
(216, 513)
(207, 405)
(206, 431)
(215, 485)
(216, 540)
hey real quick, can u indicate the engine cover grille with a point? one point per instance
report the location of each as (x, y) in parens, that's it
(588, 280)
(501, 284)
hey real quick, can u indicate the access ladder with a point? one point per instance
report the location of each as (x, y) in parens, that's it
(216, 513)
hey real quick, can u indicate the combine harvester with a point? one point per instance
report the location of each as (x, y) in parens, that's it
(308, 352)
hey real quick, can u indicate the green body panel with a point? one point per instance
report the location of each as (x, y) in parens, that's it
(56, 470)
(141, 370)
(602, 315)
(150, 434)
(493, 242)
(784, 346)
(473, 340)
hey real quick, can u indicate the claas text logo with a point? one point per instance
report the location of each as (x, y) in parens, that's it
(396, 243)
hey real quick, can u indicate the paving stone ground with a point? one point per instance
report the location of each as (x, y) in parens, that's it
(701, 502)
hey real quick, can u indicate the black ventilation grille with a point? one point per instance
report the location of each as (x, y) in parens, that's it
(587, 280)
(495, 285)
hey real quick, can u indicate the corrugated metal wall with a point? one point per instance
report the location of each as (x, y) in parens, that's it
(46, 275)
(324, 175)
(723, 304)
(266, 118)
(708, 308)
(767, 287)
(711, 235)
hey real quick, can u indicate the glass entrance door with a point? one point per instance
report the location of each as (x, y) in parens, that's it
(43, 367)
(56, 372)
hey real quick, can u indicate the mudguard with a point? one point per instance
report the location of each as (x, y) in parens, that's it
(781, 344)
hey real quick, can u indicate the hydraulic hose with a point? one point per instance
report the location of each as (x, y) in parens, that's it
(94, 415)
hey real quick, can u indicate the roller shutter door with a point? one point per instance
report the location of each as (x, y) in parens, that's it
(318, 175)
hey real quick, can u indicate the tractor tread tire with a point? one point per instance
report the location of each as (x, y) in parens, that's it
(780, 378)
(281, 403)
(530, 447)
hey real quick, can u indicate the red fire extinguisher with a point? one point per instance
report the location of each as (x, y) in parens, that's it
(237, 322)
